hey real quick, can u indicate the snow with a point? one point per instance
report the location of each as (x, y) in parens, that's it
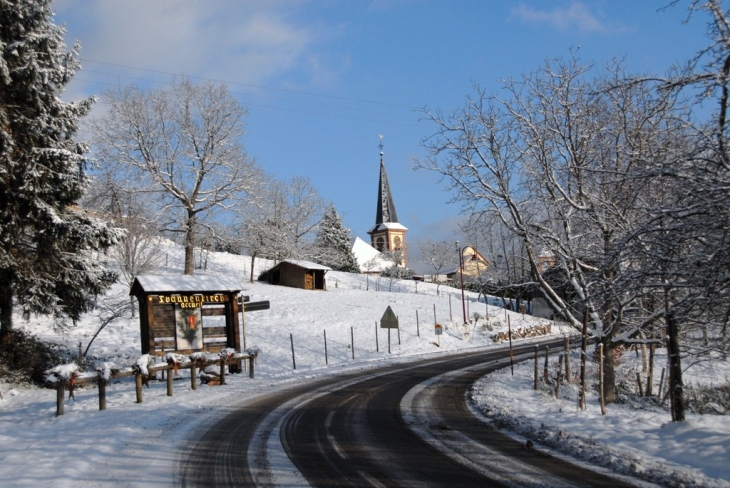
(189, 283)
(368, 258)
(306, 264)
(140, 444)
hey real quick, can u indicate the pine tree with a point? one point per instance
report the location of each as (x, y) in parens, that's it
(332, 244)
(46, 244)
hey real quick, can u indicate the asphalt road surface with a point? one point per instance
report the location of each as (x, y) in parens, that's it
(402, 425)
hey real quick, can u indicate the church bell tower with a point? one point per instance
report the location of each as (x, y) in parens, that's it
(388, 235)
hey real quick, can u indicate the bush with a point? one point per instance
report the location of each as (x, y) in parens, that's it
(24, 359)
(704, 399)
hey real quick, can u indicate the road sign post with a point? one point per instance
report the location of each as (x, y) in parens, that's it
(389, 321)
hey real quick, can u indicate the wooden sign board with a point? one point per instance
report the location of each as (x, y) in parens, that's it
(186, 314)
(389, 320)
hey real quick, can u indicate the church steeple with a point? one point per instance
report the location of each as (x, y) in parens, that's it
(388, 235)
(386, 207)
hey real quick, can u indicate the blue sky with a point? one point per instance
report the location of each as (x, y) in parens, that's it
(323, 78)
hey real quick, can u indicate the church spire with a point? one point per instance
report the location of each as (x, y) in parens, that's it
(386, 207)
(388, 235)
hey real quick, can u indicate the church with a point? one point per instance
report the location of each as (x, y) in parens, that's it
(387, 237)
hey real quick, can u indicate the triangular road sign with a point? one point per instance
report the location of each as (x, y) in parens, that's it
(389, 320)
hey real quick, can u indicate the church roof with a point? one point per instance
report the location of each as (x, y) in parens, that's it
(387, 225)
(386, 207)
(368, 258)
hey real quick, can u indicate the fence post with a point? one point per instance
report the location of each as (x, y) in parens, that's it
(138, 385)
(293, 359)
(193, 375)
(600, 379)
(545, 374)
(567, 359)
(170, 377)
(102, 393)
(60, 395)
(377, 343)
(650, 374)
(583, 356)
(537, 354)
(223, 370)
(325, 347)
(511, 351)
(418, 330)
(352, 342)
(638, 382)
(250, 366)
(557, 378)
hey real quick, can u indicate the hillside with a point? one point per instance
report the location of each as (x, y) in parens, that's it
(85, 446)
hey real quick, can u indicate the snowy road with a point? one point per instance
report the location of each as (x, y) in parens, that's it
(402, 425)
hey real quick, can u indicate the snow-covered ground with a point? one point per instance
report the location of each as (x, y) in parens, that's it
(132, 444)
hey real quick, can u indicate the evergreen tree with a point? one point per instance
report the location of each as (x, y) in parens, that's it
(332, 245)
(47, 245)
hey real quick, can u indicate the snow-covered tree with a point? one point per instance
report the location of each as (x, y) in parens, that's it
(183, 144)
(560, 158)
(139, 250)
(332, 245)
(684, 241)
(47, 245)
(278, 222)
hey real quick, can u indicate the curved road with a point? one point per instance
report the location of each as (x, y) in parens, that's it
(401, 425)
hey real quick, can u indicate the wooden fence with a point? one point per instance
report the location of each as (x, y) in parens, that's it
(234, 362)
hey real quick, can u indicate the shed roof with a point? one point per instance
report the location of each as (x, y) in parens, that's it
(305, 264)
(184, 283)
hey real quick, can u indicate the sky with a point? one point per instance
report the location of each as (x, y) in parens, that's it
(324, 79)
(83, 448)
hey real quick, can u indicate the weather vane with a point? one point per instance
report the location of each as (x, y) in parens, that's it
(380, 146)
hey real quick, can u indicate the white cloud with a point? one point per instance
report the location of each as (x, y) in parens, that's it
(577, 15)
(246, 42)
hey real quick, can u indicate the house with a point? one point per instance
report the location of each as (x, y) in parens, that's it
(298, 274)
(473, 266)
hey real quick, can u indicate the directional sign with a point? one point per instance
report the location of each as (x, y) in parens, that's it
(389, 320)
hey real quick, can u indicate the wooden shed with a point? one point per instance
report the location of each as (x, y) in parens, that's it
(298, 274)
(185, 314)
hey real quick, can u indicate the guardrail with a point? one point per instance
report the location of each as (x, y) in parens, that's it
(142, 374)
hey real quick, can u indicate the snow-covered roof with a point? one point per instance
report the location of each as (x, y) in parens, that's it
(306, 264)
(185, 283)
(388, 225)
(364, 252)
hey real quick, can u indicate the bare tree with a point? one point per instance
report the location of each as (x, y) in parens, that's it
(281, 220)
(439, 255)
(558, 158)
(182, 144)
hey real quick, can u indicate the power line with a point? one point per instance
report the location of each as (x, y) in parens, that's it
(297, 92)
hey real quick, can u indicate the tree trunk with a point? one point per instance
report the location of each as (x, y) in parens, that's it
(676, 388)
(253, 260)
(190, 244)
(609, 373)
(6, 309)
